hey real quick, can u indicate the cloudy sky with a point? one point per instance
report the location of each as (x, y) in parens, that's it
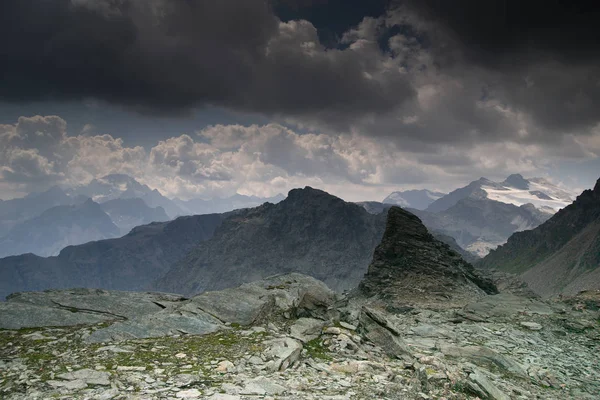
(202, 98)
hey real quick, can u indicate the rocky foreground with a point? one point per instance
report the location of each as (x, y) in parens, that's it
(289, 337)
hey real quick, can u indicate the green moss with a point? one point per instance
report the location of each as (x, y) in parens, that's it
(316, 349)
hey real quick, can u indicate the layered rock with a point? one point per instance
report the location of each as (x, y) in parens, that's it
(410, 265)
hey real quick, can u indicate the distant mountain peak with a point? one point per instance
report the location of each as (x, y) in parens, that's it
(517, 181)
(309, 193)
(597, 187)
(515, 189)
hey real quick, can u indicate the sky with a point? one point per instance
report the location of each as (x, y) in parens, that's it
(208, 98)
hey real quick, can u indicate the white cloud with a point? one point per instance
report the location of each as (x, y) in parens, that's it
(265, 160)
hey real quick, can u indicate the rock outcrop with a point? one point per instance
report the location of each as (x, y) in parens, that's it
(561, 256)
(410, 266)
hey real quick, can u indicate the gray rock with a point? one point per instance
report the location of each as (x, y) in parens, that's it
(306, 329)
(17, 316)
(79, 306)
(263, 386)
(163, 323)
(88, 376)
(282, 353)
(534, 326)
(69, 385)
(484, 356)
(251, 302)
(484, 385)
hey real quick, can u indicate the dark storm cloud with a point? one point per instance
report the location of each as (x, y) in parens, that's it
(170, 55)
(499, 32)
(541, 57)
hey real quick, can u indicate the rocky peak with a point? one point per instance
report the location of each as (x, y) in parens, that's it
(411, 265)
(310, 196)
(517, 181)
(597, 188)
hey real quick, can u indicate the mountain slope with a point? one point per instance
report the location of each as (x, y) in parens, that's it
(310, 232)
(131, 262)
(129, 213)
(479, 225)
(57, 228)
(15, 211)
(560, 256)
(417, 199)
(410, 264)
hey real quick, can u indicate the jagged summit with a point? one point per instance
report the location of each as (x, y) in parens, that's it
(411, 265)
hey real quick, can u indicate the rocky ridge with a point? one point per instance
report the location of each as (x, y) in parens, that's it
(311, 232)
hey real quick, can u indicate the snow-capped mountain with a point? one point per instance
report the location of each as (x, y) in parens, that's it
(417, 199)
(537, 191)
(515, 189)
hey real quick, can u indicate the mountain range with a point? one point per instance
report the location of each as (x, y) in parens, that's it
(131, 262)
(483, 214)
(514, 190)
(310, 231)
(40, 223)
(560, 256)
(58, 227)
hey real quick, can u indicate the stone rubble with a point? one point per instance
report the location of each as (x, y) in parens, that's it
(501, 347)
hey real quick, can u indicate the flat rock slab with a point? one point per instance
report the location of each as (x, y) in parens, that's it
(18, 316)
(89, 376)
(483, 356)
(163, 323)
(480, 383)
(263, 386)
(79, 306)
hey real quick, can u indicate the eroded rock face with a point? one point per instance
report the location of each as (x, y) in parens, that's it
(410, 266)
